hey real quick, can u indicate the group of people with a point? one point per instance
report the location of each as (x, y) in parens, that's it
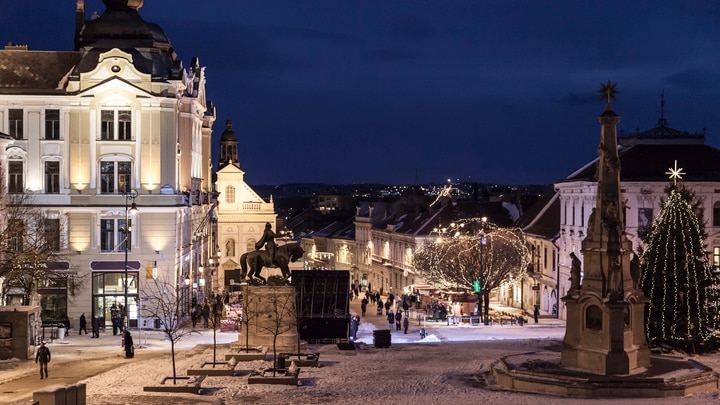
(95, 326)
(213, 303)
(396, 319)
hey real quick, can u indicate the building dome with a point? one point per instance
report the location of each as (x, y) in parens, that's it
(228, 135)
(120, 26)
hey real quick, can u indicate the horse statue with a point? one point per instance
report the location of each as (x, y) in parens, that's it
(257, 259)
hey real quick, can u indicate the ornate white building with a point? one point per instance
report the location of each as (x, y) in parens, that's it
(117, 121)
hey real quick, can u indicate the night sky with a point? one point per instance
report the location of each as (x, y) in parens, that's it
(407, 92)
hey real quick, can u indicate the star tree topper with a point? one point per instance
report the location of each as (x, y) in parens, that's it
(675, 173)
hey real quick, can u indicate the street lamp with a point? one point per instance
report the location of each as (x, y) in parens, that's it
(129, 210)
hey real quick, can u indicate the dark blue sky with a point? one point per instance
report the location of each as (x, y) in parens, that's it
(400, 91)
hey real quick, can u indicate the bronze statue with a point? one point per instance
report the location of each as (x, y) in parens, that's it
(575, 272)
(257, 259)
(268, 240)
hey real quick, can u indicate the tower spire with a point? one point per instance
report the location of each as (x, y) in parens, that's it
(662, 122)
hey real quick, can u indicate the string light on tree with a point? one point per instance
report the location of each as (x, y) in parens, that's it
(677, 278)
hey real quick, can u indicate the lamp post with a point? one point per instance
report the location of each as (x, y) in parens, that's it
(132, 209)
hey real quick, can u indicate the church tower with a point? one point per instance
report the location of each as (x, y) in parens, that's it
(605, 322)
(228, 146)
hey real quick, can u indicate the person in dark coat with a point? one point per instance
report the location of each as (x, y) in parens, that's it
(83, 324)
(406, 323)
(363, 305)
(95, 324)
(391, 319)
(398, 319)
(536, 313)
(42, 357)
(129, 346)
(206, 314)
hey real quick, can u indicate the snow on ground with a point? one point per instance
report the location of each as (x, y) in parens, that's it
(445, 367)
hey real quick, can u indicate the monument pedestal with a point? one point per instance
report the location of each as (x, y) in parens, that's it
(268, 311)
(610, 339)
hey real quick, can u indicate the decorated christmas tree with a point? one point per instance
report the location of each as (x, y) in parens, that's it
(678, 278)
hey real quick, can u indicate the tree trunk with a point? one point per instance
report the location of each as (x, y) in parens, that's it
(486, 293)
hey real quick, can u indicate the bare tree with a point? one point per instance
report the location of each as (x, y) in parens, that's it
(31, 254)
(249, 314)
(475, 250)
(216, 311)
(164, 303)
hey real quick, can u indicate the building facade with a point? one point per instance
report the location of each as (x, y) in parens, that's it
(117, 123)
(241, 214)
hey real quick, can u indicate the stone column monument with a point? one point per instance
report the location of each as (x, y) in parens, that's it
(605, 313)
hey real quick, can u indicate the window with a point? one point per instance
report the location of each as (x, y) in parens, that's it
(124, 125)
(716, 257)
(16, 123)
(52, 233)
(52, 177)
(16, 230)
(716, 214)
(16, 181)
(645, 217)
(115, 177)
(230, 194)
(52, 124)
(114, 122)
(112, 230)
(107, 125)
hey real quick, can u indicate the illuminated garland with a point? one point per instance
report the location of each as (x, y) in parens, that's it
(677, 278)
(457, 258)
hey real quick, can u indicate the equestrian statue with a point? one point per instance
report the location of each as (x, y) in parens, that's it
(272, 256)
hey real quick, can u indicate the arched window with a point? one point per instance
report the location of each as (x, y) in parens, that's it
(230, 194)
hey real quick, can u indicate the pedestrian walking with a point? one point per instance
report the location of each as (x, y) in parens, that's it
(387, 306)
(194, 316)
(354, 324)
(129, 346)
(406, 323)
(536, 313)
(206, 314)
(363, 306)
(379, 307)
(42, 357)
(83, 324)
(398, 319)
(95, 325)
(391, 320)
